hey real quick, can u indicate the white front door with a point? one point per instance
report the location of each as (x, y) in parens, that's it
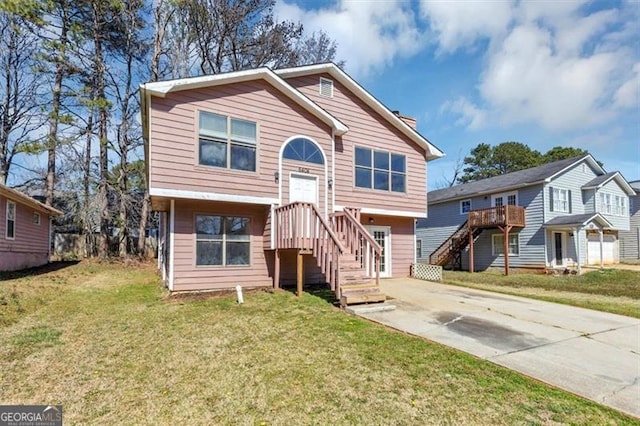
(382, 235)
(303, 188)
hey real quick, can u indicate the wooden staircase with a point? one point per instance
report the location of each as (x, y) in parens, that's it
(450, 251)
(356, 286)
(346, 253)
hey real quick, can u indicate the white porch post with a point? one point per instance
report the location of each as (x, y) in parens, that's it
(576, 233)
(172, 219)
(601, 249)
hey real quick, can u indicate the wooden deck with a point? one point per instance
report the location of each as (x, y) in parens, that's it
(495, 217)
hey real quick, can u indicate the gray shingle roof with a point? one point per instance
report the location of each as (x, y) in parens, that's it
(494, 184)
(598, 180)
(576, 219)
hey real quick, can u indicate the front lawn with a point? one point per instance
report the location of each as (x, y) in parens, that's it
(609, 290)
(112, 348)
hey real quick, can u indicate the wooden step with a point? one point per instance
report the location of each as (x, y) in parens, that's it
(359, 287)
(356, 298)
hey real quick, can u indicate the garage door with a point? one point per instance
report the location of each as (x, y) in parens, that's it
(609, 249)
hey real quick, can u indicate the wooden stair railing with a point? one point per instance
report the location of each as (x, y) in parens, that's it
(452, 246)
(301, 226)
(358, 242)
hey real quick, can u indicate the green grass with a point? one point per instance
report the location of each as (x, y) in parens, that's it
(112, 348)
(608, 290)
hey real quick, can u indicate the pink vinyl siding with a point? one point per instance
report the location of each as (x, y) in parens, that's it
(188, 276)
(402, 241)
(174, 137)
(30, 247)
(367, 129)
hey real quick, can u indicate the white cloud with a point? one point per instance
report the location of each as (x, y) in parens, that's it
(370, 35)
(548, 63)
(470, 115)
(461, 24)
(627, 96)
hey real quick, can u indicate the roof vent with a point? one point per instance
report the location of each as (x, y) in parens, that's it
(326, 87)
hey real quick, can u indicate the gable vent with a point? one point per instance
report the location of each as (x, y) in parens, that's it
(326, 87)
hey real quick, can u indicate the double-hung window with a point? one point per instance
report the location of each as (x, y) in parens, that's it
(560, 200)
(465, 206)
(222, 240)
(619, 205)
(605, 203)
(227, 142)
(381, 170)
(10, 232)
(498, 244)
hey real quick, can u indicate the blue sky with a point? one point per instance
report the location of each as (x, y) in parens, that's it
(543, 73)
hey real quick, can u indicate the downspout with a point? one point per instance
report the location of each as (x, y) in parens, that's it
(333, 170)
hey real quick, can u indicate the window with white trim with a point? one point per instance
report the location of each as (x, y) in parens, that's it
(381, 170)
(507, 198)
(497, 242)
(619, 205)
(222, 240)
(606, 205)
(227, 142)
(36, 218)
(465, 206)
(418, 249)
(10, 230)
(560, 200)
(302, 149)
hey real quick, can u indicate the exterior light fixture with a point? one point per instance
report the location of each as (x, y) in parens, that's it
(330, 182)
(276, 176)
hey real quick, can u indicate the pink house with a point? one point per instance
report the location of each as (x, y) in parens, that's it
(270, 177)
(25, 230)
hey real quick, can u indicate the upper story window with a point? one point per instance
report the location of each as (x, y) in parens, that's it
(10, 232)
(326, 87)
(36, 218)
(380, 170)
(465, 206)
(612, 204)
(507, 198)
(303, 149)
(560, 200)
(227, 142)
(222, 240)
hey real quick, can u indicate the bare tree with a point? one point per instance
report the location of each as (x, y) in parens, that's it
(19, 97)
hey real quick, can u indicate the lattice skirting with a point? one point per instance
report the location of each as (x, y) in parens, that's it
(426, 272)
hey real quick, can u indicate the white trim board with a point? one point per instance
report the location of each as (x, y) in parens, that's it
(385, 212)
(211, 196)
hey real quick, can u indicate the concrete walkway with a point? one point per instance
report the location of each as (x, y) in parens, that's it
(590, 353)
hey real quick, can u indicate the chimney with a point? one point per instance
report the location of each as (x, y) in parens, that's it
(409, 120)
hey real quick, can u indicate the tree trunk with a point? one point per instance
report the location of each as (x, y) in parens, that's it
(52, 137)
(103, 185)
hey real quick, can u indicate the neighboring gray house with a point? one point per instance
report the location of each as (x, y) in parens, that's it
(551, 216)
(630, 240)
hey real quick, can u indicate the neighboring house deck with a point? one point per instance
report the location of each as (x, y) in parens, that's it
(25, 230)
(563, 214)
(269, 178)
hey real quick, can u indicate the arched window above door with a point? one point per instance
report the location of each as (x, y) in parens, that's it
(302, 149)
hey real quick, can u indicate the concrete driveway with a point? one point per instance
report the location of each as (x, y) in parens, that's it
(590, 353)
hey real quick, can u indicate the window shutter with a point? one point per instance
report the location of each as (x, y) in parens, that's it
(569, 200)
(551, 198)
